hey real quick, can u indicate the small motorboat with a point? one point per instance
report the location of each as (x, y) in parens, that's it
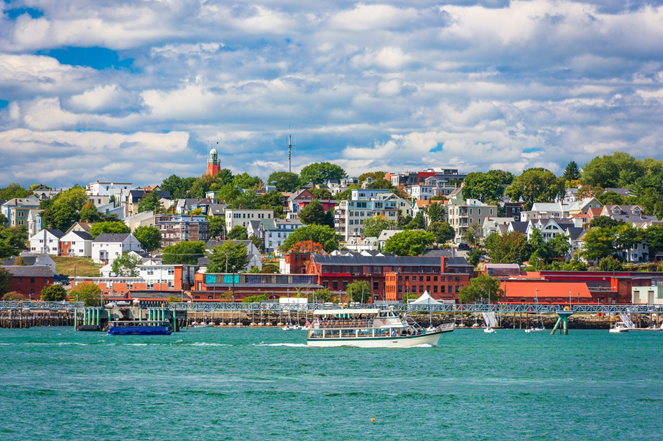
(144, 327)
(288, 328)
(489, 330)
(619, 328)
(201, 325)
(533, 329)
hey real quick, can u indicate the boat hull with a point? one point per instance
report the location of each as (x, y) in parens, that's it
(141, 330)
(386, 342)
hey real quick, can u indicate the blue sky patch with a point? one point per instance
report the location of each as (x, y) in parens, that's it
(3, 104)
(17, 12)
(94, 57)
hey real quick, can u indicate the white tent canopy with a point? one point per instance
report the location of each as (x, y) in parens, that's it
(425, 299)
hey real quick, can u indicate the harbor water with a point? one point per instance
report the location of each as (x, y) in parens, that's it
(217, 384)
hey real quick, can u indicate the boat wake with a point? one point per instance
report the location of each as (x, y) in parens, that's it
(291, 345)
(202, 343)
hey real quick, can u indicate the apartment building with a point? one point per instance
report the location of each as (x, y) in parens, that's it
(462, 213)
(349, 216)
(178, 228)
(242, 217)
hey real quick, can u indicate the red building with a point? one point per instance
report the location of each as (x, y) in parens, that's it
(29, 281)
(337, 272)
(296, 262)
(444, 285)
(213, 165)
(529, 291)
(301, 198)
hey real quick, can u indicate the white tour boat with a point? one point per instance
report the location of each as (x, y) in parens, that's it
(370, 328)
(619, 327)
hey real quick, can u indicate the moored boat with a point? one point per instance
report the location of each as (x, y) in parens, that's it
(143, 327)
(619, 328)
(370, 328)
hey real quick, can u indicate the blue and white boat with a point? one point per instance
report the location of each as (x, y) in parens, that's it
(144, 327)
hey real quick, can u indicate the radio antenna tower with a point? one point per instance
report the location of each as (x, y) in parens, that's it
(290, 146)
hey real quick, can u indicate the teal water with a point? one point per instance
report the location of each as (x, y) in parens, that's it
(266, 384)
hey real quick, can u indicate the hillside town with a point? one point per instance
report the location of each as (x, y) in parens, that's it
(591, 235)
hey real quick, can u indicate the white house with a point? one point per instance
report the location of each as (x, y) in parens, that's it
(108, 247)
(46, 242)
(273, 232)
(242, 217)
(76, 243)
(366, 244)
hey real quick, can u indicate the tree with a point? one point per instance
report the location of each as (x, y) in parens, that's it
(611, 198)
(572, 172)
(409, 243)
(598, 243)
(626, 237)
(321, 172)
(654, 238)
(108, 228)
(417, 223)
(238, 232)
(63, 210)
(126, 265)
(5, 281)
(323, 295)
(375, 225)
(617, 170)
(535, 185)
(12, 297)
(322, 234)
(183, 253)
(12, 240)
(313, 214)
(378, 181)
(435, 213)
(284, 181)
(255, 240)
(149, 237)
(255, 299)
(359, 292)
(177, 186)
(273, 200)
(89, 213)
(321, 193)
(504, 177)
(472, 234)
(443, 232)
(508, 248)
(307, 246)
(244, 180)
(150, 202)
(13, 191)
(248, 199)
(604, 222)
(228, 193)
(485, 187)
(3, 221)
(53, 293)
(481, 287)
(610, 264)
(474, 256)
(88, 293)
(231, 255)
(217, 225)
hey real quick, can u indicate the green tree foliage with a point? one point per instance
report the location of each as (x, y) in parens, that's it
(89, 213)
(345, 195)
(228, 193)
(322, 234)
(321, 193)
(284, 181)
(126, 265)
(313, 214)
(229, 255)
(409, 243)
(255, 240)
(604, 222)
(201, 186)
(109, 228)
(472, 234)
(505, 177)
(535, 185)
(11, 296)
(442, 231)
(53, 293)
(555, 248)
(149, 237)
(324, 295)
(359, 292)
(12, 240)
(378, 180)
(238, 232)
(272, 200)
(150, 202)
(13, 191)
(321, 172)
(474, 256)
(480, 288)
(598, 243)
(248, 199)
(5, 281)
(610, 264)
(375, 225)
(183, 253)
(572, 172)
(485, 187)
(508, 248)
(63, 210)
(654, 238)
(3, 221)
(255, 299)
(611, 198)
(178, 187)
(244, 180)
(617, 170)
(88, 293)
(217, 226)
(418, 222)
(435, 213)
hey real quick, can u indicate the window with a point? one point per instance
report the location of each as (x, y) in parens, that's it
(435, 289)
(32, 280)
(376, 286)
(335, 285)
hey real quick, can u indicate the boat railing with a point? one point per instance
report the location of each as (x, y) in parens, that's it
(359, 323)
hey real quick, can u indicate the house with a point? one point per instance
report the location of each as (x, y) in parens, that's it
(357, 244)
(403, 205)
(108, 247)
(491, 225)
(185, 206)
(350, 215)
(422, 206)
(273, 232)
(46, 242)
(144, 219)
(176, 228)
(299, 199)
(385, 235)
(80, 226)
(545, 210)
(513, 209)
(17, 210)
(76, 243)
(421, 192)
(35, 222)
(32, 259)
(241, 217)
(462, 213)
(29, 281)
(252, 251)
(107, 188)
(633, 214)
(583, 206)
(549, 227)
(136, 196)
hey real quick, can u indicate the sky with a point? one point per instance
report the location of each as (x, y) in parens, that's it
(135, 91)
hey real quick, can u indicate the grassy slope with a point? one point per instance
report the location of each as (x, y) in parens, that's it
(84, 267)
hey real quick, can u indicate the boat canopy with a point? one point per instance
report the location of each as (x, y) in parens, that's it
(346, 311)
(425, 299)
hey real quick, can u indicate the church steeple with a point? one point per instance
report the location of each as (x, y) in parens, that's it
(213, 165)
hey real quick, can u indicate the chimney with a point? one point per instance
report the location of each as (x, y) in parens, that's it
(443, 264)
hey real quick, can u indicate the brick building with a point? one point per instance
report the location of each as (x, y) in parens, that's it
(29, 281)
(178, 228)
(442, 285)
(220, 286)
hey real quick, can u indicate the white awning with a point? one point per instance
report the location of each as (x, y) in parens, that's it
(425, 299)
